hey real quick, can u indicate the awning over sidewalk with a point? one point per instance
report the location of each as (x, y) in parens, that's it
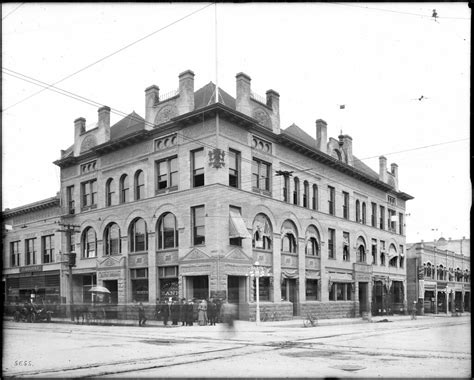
(237, 227)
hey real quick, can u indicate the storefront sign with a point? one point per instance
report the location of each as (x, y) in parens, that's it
(109, 274)
(31, 268)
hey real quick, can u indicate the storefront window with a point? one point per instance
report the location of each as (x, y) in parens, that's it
(139, 279)
(311, 290)
(264, 289)
(340, 291)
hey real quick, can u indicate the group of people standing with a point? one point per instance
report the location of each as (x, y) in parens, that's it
(204, 312)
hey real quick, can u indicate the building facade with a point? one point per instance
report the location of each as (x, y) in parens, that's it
(184, 202)
(439, 275)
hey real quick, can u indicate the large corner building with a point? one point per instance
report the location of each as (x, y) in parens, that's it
(183, 203)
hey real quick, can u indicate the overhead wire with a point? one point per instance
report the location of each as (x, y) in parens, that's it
(110, 55)
(14, 10)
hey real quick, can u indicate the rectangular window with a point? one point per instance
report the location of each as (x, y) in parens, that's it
(374, 215)
(331, 242)
(48, 249)
(263, 289)
(400, 223)
(312, 290)
(340, 291)
(234, 168)
(286, 188)
(382, 217)
(70, 199)
(391, 200)
(167, 174)
(392, 223)
(382, 253)
(315, 197)
(198, 225)
(345, 206)
(197, 162)
(30, 251)
(331, 201)
(15, 253)
(345, 247)
(261, 175)
(235, 240)
(402, 256)
(139, 279)
(374, 252)
(89, 193)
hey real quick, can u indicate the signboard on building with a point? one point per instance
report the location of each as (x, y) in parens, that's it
(31, 268)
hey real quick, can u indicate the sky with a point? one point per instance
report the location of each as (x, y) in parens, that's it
(378, 59)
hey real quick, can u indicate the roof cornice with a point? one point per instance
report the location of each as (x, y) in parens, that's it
(40, 205)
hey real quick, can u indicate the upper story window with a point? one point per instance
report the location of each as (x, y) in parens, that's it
(305, 194)
(374, 215)
(286, 188)
(361, 251)
(197, 164)
(357, 211)
(262, 233)
(261, 175)
(70, 199)
(364, 213)
(30, 251)
(332, 199)
(393, 257)
(88, 167)
(112, 240)
(374, 252)
(124, 189)
(167, 231)
(138, 236)
(198, 225)
(345, 206)
(331, 243)
(289, 237)
(234, 168)
(346, 255)
(47, 244)
(15, 253)
(296, 191)
(89, 194)
(392, 220)
(109, 192)
(400, 223)
(382, 217)
(139, 185)
(402, 255)
(315, 198)
(391, 200)
(312, 242)
(89, 243)
(167, 174)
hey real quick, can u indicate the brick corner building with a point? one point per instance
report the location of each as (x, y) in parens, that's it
(183, 202)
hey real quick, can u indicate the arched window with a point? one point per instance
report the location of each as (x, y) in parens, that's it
(357, 211)
(124, 189)
(262, 233)
(109, 192)
(306, 194)
(296, 191)
(89, 242)
(364, 213)
(138, 236)
(312, 242)
(112, 240)
(139, 185)
(361, 251)
(167, 231)
(393, 256)
(289, 237)
(440, 272)
(315, 197)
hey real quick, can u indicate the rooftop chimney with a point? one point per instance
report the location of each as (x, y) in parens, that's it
(242, 101)
(345, 142)
(79, 127)
(152, 97)
(104, 124)
(383, 169)
(185, 102)
(273, 101)
(321, 135)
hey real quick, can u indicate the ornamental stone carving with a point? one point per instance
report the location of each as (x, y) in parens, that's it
(262, 117)
(165, 113)
(88, 143)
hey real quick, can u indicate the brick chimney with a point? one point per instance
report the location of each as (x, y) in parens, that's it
(79, 128)
(394, 171)
(185, 102)
(104, 124)
(152, 97)
(321, 135)
(345, 142)
(383, 169)
(273, 101)
(242, 101)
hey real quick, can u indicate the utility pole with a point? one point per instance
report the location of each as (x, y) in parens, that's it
(70, 229)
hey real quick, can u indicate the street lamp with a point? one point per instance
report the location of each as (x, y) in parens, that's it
(257, 271)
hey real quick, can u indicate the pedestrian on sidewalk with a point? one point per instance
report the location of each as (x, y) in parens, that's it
(202, 311)
(141, 315)
(175, 312)
(165, 312)
(211, 312)
(189, 313)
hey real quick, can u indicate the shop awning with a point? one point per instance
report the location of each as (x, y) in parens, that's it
(289, 273)
(237, 227)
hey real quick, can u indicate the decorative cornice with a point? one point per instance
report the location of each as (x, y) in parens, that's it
(40, 205)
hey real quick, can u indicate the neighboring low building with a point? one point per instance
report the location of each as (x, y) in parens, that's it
(183, 202)
(439, 275)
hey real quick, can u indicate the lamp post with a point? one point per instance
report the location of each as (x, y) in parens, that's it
(257, 271)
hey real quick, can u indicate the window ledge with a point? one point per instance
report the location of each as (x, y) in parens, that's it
(166, 250)
(138, 252)
(166, 190)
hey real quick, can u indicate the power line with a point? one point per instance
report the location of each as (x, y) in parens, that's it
(8, 14)
(110, 55)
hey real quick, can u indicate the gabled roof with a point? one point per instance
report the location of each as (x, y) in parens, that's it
(296, 132)
(129, 124)
(206, 95)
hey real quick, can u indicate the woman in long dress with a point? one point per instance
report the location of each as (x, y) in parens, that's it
(202, 313)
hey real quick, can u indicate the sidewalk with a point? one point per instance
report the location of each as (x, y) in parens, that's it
(298, 322)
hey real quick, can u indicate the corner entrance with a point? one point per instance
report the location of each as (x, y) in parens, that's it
(197, 287)
(236, 291)
(363, 297)
(111, 311)
(289, 292)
